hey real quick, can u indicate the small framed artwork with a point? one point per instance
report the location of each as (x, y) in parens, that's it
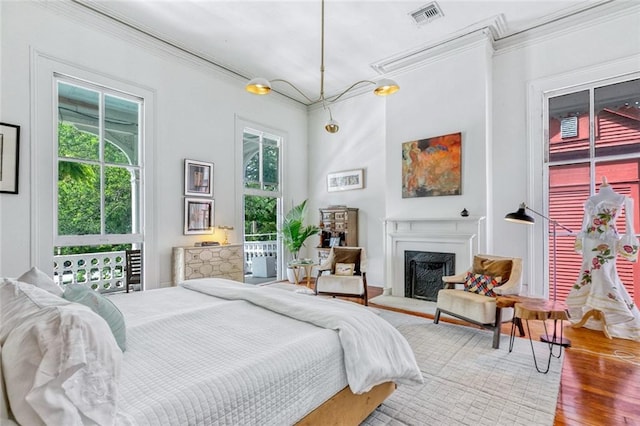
(334, 242)
(344, 181)
(9, 157)
(198, 216)
(198, 178)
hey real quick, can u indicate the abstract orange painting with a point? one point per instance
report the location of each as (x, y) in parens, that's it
(432, 167)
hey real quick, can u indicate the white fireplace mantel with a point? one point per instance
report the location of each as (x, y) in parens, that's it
(463, 236)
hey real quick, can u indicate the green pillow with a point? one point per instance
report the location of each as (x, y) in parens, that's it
(101, 306)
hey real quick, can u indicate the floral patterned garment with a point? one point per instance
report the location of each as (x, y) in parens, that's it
(598, 286)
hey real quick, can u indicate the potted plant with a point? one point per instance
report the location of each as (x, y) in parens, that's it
(294, 233)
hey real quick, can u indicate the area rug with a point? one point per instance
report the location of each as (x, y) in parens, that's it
(467, 382)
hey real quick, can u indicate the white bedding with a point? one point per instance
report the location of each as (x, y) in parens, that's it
(374, 351)
(195, 359)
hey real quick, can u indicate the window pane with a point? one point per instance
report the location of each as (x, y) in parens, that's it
(251, 156)
(78, 198)
(121, 130)
(624, 178)
(119, 186)
(569, 127)
(78, 122)
(270, 167)
(252, 172)
(568, 191)
(617, 110)
(260, 215)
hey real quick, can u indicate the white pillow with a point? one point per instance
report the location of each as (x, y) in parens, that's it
(61, 367)
(18, 301)
(38, 278)
(60, 360)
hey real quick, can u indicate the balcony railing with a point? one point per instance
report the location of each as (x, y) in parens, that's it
(268, 246)
(105, 272)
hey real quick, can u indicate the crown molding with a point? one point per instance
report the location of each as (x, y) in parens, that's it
(491, 28)
(584, 18)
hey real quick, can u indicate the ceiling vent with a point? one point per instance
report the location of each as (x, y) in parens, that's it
(426, 14)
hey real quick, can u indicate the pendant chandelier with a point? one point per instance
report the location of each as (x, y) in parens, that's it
(262, 86)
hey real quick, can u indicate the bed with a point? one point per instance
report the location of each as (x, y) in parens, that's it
(208, 351)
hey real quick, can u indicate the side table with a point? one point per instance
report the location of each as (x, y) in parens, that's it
(307, 266)
(542, 311)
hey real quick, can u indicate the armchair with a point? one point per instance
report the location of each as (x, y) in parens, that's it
(343, 273)
(478, 308)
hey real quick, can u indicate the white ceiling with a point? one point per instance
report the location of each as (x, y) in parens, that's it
(281, 39)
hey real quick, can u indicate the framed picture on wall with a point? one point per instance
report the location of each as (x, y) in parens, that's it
(198, 216)
(343, 181)
(198, 178)
(9, 157)
(432, 167)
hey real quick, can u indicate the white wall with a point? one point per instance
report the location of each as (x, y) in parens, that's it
(195, 111)
(359, 144)
(442, 97)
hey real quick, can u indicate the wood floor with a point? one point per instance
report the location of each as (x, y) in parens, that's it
(600, 382)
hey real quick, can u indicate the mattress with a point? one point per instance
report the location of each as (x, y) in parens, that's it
(196, 359)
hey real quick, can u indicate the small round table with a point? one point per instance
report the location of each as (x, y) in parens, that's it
(296, 265)
(542, 310)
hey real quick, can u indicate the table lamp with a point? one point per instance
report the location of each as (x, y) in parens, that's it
(226, 230)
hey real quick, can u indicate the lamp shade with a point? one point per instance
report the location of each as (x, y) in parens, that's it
(386, 87)
(332, 126)
(520, 216)
(258, 86)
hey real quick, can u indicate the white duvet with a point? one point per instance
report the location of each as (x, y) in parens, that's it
(374, 351)
(203, 353)
(194, 359)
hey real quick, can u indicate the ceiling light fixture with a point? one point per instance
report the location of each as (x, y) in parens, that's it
(262, 86)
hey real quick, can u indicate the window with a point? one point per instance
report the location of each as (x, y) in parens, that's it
(262, 194)
(98, 200)
(594, 133)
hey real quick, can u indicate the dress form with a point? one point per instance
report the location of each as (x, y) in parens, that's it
(598, 300)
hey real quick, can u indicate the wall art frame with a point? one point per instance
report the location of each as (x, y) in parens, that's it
(198, 216)
(432, 167)
(198, 178)
(9, 157)
(345, 180)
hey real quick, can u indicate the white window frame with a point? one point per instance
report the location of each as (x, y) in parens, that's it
(136, 237)
(43, 159)
(242, 126)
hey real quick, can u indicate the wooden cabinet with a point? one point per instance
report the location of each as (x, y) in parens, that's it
(338, 227)
(225, 261)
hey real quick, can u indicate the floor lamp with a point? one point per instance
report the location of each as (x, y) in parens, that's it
(521, 216)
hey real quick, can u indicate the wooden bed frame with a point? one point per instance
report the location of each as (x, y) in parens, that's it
(347, 408)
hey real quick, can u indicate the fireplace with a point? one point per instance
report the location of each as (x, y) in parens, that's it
(423, 272)
(462, 236)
